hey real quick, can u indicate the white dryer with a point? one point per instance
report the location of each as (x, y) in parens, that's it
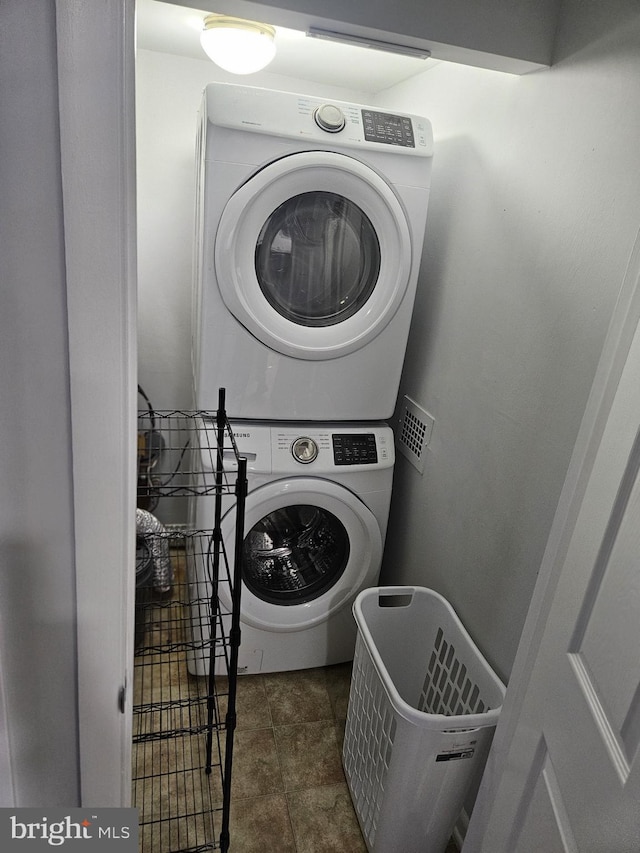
(310, 225)
(315, 522)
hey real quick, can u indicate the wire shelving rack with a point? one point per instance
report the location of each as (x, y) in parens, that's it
(183, 724)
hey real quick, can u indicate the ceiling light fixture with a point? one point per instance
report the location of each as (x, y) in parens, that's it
(238, 46)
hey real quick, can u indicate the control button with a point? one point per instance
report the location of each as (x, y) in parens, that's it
(330, 118)
(304, 450)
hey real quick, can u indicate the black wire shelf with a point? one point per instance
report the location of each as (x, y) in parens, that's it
(179, 453)
(183, 722)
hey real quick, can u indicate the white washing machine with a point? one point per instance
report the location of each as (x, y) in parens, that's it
(310, 225)
(315, 523)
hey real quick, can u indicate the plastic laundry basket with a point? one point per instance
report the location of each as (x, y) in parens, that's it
(422, 708)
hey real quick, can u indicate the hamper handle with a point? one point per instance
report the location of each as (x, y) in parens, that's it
(396, 596)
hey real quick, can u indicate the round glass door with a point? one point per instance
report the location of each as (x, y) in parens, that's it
(317, 259)
(294, 554)
(309, 546)
(313, 255)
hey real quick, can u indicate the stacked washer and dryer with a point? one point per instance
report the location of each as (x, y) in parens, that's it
(310, 219)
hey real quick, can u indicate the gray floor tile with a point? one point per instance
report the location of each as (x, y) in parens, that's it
(309, 755)
(298, 697)
(324, 822)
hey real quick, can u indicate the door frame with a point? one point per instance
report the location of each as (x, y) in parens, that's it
(622, 328)
(96, 58)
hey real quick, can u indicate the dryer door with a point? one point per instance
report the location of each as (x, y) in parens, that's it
(310, 546)
(313, 255)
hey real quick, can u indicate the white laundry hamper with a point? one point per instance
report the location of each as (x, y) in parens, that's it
(423, 705)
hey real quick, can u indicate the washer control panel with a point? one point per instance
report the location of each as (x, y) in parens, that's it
(354, 448)
(311, 449)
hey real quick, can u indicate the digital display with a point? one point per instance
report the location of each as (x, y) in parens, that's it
(388, 128)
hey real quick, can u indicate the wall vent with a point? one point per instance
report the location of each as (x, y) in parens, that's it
(414, 432)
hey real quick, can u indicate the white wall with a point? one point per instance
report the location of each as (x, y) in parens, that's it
(534, 208)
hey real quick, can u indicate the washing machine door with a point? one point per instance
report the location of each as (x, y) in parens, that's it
(310, 546)
(313, 255)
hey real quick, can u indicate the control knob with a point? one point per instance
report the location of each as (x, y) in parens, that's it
(304, 450)
(330, 118)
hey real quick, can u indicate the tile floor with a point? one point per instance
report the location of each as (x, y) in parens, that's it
(288, 791)
(288, 788)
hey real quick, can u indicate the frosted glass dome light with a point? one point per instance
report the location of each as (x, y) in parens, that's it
(238, 46)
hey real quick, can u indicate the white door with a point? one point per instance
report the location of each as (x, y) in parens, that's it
(313, 255)
(566, 771)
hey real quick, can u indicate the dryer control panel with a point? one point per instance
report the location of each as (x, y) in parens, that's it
(309, 118)
(388, 128)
